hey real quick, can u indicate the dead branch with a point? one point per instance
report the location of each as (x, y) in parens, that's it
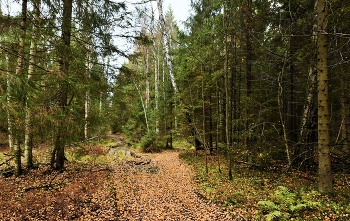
(346, 181)
(49, 185)
(6, 162)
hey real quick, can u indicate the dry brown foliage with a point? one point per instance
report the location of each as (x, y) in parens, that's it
(153, 187)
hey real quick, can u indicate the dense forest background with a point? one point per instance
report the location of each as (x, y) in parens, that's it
(262, 82)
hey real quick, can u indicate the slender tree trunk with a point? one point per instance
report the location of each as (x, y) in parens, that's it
(204, 122)
(291, 122)
(345, 127)
(248, 66)
(19, 73)
(156, 86)
(147, 80)
(87, 96)
(101, 93)
(210, 124)
(345, 103)
(143, 106)
(218, 120)
(325, 171)
(28, 136)
(58, 157)
(282, 119)
(86, 115)
(166, 45)
(9, 99)
(308, 123)
(227, 100)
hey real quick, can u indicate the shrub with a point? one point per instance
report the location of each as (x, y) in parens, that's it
(285, 204)
(150, 142)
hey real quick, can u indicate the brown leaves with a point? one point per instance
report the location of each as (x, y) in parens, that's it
(153, 187)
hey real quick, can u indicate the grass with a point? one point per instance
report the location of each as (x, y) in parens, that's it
(268, 195)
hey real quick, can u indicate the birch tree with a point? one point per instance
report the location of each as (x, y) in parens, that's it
(19, 73)
(166, 45)
(28, 136)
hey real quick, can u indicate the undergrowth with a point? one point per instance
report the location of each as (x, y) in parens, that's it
(268, 195)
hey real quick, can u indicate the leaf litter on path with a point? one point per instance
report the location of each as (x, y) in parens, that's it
(154, 187)
(168, 194)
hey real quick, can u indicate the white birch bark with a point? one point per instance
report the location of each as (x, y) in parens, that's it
(143, 106)
(19, 72)
(166, 46)
(87, 96)
(309, 100)
(8, 101)
(147, 80)
(28, 137)
(156, 85)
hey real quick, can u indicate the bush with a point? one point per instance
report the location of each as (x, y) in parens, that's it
(150, 142)
(285, 204)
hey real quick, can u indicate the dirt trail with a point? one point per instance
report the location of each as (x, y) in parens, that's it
(165, 193)
(139, 187)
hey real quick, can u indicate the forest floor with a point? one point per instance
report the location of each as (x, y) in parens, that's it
(110, 180)
(268, 193)
(111, 183)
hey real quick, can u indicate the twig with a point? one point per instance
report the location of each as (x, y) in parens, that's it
(38, 187)
(49, 185)
(6, 162)
(249, 164)
(240, 217)
(102, 169)
(346, 180)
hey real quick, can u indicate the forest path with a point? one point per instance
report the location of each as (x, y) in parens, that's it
(160, 187)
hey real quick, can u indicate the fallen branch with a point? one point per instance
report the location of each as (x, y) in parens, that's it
(346, 181)
(49, 185)
(137, 163)
(134, 155)
(249, 164)
(6, 162)
(102, 169)
(38, 187)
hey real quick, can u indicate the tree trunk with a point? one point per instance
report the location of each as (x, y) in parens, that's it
(156, 86)
(227, 100)
(19, 72)
(147, 80)
(291, 122)
(58, 153)
(218, 120)
(308, 125)
(87, 96)
(204, 122)
(248, 66)
(345, 103)
(28, 137)
(143, 106)
(325, 172)
(166, 45)
(282, 119)
(210, 124)
(9, 99)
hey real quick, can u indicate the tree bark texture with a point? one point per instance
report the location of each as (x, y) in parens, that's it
(166, 45)
(58, 153)
(28, 136)
(325, 172)
(19, 72)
